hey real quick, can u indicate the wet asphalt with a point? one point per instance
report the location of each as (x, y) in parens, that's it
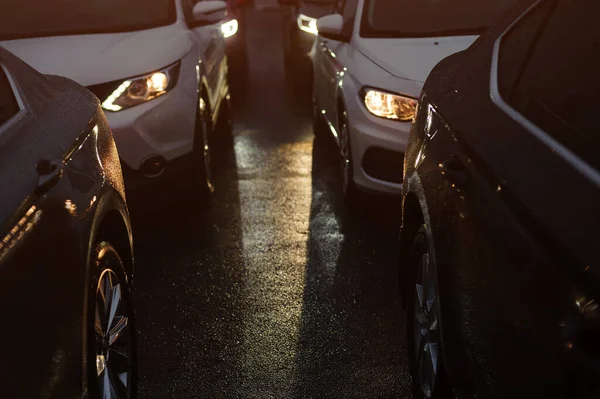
(276, 289)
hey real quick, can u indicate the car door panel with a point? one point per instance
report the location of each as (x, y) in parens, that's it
(332, 69)
(212, 52)
(519, 290)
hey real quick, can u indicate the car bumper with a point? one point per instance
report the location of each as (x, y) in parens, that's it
(162, 127)
(378, 147)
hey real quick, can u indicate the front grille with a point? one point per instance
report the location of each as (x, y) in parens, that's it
(384, 164)
(103, 90)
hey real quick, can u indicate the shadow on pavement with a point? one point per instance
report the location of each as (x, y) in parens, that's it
(351, 341)
(189, 274)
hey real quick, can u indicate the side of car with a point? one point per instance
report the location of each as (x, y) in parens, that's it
(213, 110)
(370, 145)
(66, 255)
(497, 267)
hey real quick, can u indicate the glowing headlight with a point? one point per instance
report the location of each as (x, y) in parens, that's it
(389, 106)
(230, 28)
(308, 24)
(139, 90)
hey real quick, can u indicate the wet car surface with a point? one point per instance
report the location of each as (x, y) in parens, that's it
(273, 291)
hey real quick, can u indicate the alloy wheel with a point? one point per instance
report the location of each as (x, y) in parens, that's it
(113, 339)
(426, 331)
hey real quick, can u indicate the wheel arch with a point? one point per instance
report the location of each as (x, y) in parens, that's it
(412, 219)
(114, 230)
(111, 223)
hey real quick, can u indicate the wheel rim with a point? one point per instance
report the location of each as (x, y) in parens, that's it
(113, 339)
(426, 333)
(205, 145)
(345, 161)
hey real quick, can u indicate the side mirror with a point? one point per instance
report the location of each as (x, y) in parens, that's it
(209, 12)
(331, 27)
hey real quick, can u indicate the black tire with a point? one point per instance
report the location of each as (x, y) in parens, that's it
(429, 342)
(350, 193)
(224, 127)
(111, 334)
(202, 164)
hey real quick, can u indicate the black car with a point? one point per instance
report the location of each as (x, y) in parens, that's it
(66, 259)
(300, 27)
(501, 212)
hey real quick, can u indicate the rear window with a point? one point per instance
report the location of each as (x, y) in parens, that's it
(8, 103)
(548, 72)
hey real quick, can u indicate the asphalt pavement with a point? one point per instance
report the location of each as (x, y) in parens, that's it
(276, 290)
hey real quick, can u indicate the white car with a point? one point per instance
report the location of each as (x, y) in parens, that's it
(370, 62)
(158, 67)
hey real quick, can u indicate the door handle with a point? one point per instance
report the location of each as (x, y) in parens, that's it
(456, 173)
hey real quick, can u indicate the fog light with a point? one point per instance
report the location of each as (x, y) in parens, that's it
(153, 166)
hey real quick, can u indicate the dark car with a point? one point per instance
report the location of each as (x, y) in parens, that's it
(501, 212)
(66, 260)
(300, 27)
(235, 33)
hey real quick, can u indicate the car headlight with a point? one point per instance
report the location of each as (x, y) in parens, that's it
(230, 28)
(142, 89)
(388, 105)
(308, 24)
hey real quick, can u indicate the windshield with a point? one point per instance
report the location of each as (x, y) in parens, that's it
(422, 18)
(24, 18)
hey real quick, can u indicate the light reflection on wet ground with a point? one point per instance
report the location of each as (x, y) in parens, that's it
(276, 290)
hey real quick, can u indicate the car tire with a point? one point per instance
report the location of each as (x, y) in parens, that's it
(111, 339)
(423, 323)
(350, 193)
(202, 163)
(225, 123)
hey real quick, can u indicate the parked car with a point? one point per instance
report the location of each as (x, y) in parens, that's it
(501, 202)
(370, 61)
(234, 30)
(66, 258)
(300, 28)
(160, 74)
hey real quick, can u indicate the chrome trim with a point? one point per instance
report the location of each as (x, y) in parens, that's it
(579, 164)
(15, 90)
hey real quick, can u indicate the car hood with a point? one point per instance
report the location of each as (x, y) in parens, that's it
(412, 58)
(315, 10)
(100, 58)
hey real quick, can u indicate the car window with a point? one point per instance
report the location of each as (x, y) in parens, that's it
(188, 7)
(8, 103)
(22, 18)
(427, 18)
(548, 72)
(349, 9)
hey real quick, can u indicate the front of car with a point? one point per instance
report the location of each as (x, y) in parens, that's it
(396, 47)
(62, 188)
(135, 56)
(304, 27)
(234, 31)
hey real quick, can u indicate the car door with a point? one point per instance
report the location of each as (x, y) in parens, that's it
(331, 67)
(212, 51)
(522, 205)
